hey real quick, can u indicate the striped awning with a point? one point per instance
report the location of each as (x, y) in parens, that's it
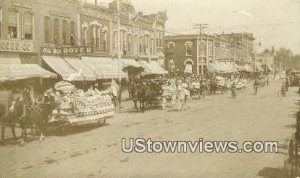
(152, 67)
(105, 68)
(61, 67)
(10, 72)
(82, 67)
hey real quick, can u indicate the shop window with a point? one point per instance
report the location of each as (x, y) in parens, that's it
(28, 26)
(65, 32)
(48, 29)
(12, 24)
(56, 27)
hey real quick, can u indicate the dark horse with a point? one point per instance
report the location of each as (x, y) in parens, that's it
(138, 94)
(26, 117)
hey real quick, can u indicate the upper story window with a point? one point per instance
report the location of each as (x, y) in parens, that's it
(28, 26)
(12, 24)
(48, 29)
(65, 32)
(56, 27)
(188, 48)
(103, 37)
(129, 41)
(115, 41)
(72, 33)
(152, 46)
(141, 41)
(210, 49)
(0, 22)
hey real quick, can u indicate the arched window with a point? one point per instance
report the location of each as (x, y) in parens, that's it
(188, 63)
(188, 48)
(171, 44)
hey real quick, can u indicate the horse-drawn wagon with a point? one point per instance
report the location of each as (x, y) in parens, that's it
(80, 108)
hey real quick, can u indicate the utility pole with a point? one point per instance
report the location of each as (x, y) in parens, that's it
(200, 26)
(119, 38)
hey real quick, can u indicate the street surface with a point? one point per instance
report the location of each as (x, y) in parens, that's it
(96, 152)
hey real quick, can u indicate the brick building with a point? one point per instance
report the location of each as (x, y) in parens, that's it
(32, 30)
(141, 35)
(188, 53)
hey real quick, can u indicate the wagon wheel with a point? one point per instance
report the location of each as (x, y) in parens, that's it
(66, 128)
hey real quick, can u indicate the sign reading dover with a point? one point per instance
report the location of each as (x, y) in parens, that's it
(16, 46)
(66, 50)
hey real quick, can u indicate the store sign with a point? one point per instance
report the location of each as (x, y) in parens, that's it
(16, 46)
(66, 50)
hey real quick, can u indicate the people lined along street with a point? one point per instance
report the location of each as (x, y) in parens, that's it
(151, 93)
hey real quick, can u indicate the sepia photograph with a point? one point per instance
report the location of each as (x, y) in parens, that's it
(149, 88)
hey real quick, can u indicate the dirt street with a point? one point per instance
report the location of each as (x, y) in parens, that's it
(96, 152)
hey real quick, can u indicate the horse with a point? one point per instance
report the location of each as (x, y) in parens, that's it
(26, 117)
(138, 94)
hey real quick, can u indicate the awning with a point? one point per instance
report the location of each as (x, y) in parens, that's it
(10, 72)
(82, 67)
(130, 63)
(8, 58)
(152, 68)
(213, 68)
(65, 70)
(105, 68)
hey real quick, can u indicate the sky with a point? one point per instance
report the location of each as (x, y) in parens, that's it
(272, 22)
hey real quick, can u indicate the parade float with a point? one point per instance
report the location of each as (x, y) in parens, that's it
(77, 107)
